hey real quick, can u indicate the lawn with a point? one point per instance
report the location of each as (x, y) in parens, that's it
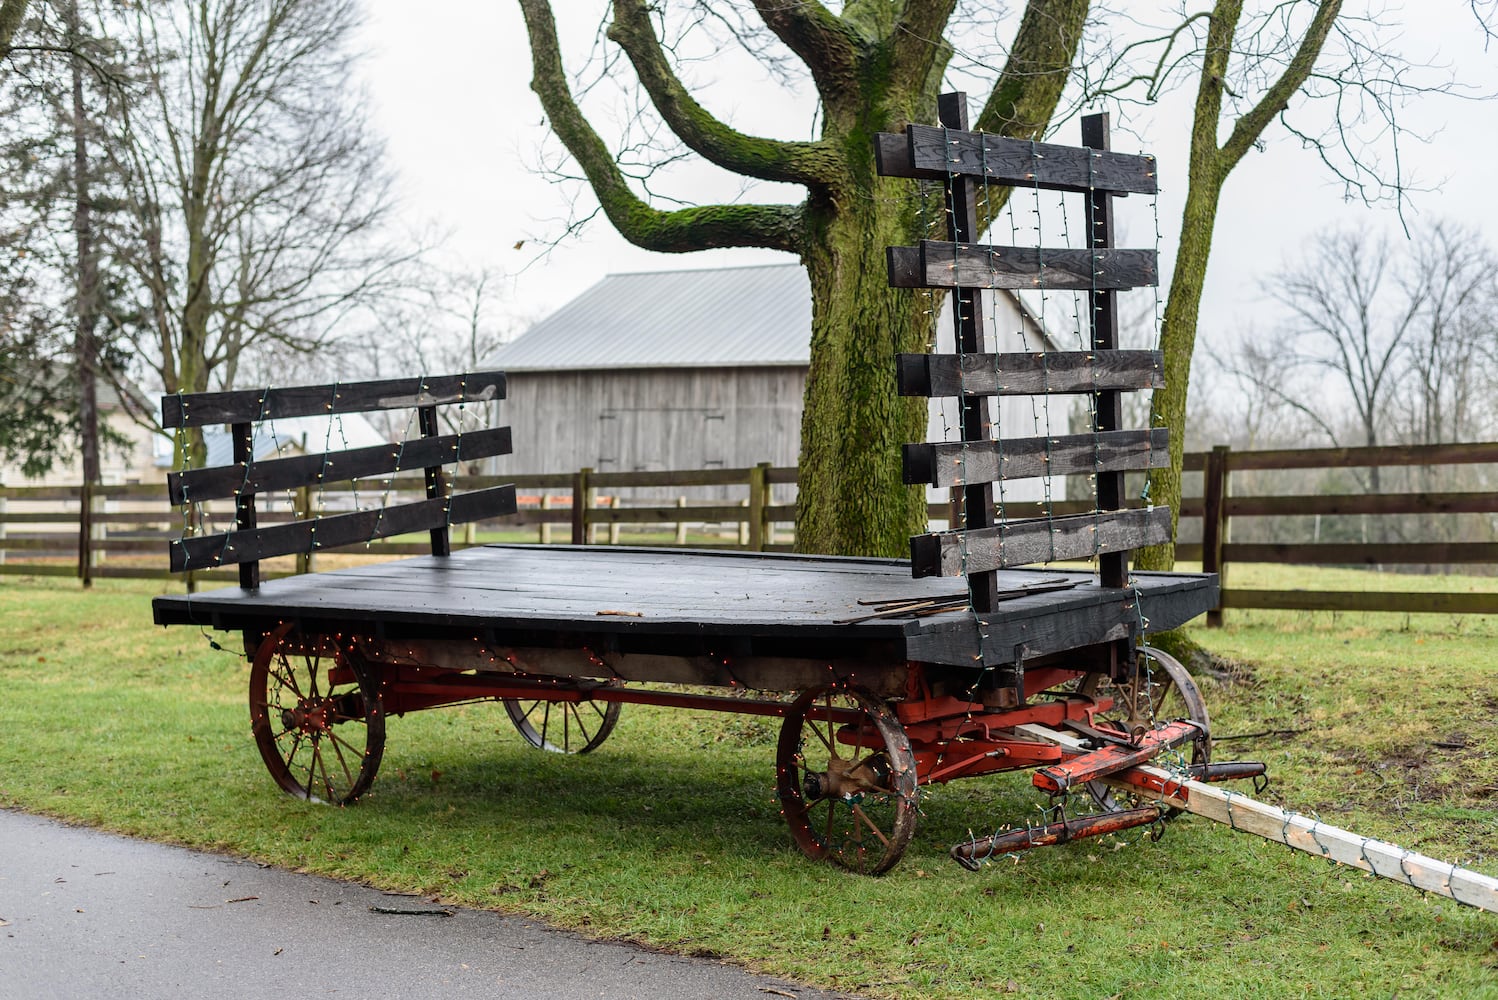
(670, 833)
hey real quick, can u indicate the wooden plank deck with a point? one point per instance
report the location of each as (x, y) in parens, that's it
(685, 602)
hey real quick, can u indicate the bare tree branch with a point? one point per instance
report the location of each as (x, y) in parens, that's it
(767, 159)
(777, 227)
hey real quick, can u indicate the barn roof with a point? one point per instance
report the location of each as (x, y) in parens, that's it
(731, 317)
(728, 317)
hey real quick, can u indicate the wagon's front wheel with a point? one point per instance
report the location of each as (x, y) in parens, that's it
(846, 778)
(317, 717)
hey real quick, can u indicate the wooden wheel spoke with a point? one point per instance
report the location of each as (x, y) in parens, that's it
(858, 811)
(580, 732)
(342, 761)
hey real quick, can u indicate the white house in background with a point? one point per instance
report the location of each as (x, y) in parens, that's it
(701, 369)
(134, 462)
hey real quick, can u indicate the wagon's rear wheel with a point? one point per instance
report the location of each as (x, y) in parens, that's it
(563, 726)
(316, 714)
(846, 778)
(1158, 690)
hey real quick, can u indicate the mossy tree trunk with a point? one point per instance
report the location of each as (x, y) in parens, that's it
(877, 66)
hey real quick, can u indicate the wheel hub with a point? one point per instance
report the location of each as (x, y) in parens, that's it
(309, 716)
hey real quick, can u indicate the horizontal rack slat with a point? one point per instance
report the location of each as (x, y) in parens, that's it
(934, 153)
(1028, 373)
(339, 529)
(1021, 543)
(940, 264)
(253, 405)
(223, 481)
(957, 463)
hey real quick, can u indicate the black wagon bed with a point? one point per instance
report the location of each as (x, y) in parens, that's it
(674, 603)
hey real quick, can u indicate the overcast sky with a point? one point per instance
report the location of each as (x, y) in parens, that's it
(450, 90)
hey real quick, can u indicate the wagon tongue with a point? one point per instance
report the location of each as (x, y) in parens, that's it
(1094, 764)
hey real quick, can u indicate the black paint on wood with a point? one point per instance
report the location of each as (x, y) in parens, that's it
(1023, 543)
(196, 485)
(967, 321)
(254, 405)
(436, 486)
(340, 529)
(961, 264)
(1027, 374)
(1103, 318)
(936, 153)
(690, 603)
(244, 507)
(955, 463)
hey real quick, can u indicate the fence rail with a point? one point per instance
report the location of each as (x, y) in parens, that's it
(129, 527)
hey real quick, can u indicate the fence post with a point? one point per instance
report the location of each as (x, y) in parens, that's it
(681, 524)
(303, 512)
(759, 491)
(581, 500)
(1214, 522)
(4, 510)
(545, 532)
(86, 534)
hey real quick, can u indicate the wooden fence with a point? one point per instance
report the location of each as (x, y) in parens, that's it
(130, 525)
(1218, 505)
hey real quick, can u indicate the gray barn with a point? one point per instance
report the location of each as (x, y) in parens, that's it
(687, 370)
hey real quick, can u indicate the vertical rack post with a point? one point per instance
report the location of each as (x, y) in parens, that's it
(967, 306)
(1102, 313)
(244, 503)
(436, 487)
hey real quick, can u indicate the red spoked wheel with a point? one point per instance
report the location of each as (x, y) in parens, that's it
(847, 779)
(316, 713)
(563, 726)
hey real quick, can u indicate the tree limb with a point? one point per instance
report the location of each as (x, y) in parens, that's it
(1252, 125)
(819, 38)
(778, 227)
(1038, 67)
(753, 156)
(919, 46)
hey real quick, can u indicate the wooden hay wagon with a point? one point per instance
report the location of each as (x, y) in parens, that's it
(886, 675)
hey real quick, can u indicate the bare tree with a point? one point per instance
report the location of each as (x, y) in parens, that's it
(1451, 353)
(256, 187)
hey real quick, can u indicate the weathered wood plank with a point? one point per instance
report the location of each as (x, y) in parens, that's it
(1378, 503)
(1029, 373)
(935, 153)
(201, 408)
(955, 463)
(1352, 554)
(1022, 543)
(1388, 455)
(1362, 600)
(312, 470)
(971, 265)
(338, 529)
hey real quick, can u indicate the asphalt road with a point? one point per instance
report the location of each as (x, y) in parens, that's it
(85, 915)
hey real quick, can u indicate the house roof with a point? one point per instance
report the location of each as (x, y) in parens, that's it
(728, 317)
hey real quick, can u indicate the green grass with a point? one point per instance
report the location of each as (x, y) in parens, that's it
(670, 833)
